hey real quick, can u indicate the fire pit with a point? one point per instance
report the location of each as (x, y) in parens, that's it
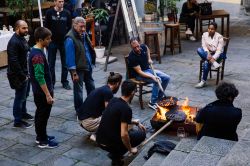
(168, 105)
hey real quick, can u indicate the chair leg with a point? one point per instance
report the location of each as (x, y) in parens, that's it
(158, 49)
(218, 76)
(140, 96)
(179, 39)
(210, 72)
(222, 71)
(200, 71)
(172, 41)
(166, 37)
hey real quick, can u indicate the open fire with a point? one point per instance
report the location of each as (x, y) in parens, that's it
(172, 104)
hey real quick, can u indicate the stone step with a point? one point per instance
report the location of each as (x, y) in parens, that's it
(155, 160)
(178, 155)
(208, 151)
(139, 159)
(240, 154)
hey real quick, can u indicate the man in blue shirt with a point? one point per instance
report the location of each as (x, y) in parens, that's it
(80, 59)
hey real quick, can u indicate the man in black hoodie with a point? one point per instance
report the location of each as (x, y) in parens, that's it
(17, 72)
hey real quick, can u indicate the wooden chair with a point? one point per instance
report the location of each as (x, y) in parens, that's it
(219, 70)
(139, 84)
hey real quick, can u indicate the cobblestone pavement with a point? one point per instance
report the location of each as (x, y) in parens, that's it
(17, 146)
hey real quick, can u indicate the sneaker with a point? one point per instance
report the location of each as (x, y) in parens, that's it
(152, 106)
(200, 84)
(92, 137)
(50, 138)
(215, 64)
(188, 32)
(192, 38)
(66, 86)
(23, 124)
(49, 145)
(28, 117)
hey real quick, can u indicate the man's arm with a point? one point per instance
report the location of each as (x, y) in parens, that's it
(143, 74)
(125, 138)
(12, 51)
(38, 64)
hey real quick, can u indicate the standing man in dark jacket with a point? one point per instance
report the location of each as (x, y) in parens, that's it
(220, 118)
(80, 59)
(17, 51)
(58, 20)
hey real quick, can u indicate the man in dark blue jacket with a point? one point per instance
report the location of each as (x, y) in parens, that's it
(17, 72)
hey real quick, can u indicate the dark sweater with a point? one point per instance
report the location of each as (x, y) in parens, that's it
(220, 120)
(185, 11)
(37, 57)
(59, 23)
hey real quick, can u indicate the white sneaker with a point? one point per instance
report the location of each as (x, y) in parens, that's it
(200, 84)
(215, 64)
(92, 137)
(192, 38)
(188, 32)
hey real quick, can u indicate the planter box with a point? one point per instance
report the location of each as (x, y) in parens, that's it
(3, 59)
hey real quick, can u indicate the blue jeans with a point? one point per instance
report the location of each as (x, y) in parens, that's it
(156, 92)
(19, 106)
(86, 77)
(206, 64)
(52, 49)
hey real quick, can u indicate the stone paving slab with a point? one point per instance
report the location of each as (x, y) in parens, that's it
(213, 146)
(204, 159)
(5, 161)
(239, 155)
(186, 145)
(175, 158)
(155, 159)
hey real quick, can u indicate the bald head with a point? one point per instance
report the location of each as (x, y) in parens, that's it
(21, 28)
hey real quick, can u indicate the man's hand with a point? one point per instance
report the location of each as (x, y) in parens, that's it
(155, 78)
(142, 127)
(49, 99)
(75, 77)
(134, 150)
(209, 56)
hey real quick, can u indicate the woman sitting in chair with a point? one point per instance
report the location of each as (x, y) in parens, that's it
(188, 15)
(211, 51)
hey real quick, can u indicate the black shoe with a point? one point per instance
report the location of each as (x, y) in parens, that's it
(23, 124)
(28, 117)
(66, 86)
(152, 106)
(49, 145)
(50, 138)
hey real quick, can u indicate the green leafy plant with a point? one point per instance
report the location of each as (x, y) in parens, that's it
(19, 7)
(170, 5)
(101, 16)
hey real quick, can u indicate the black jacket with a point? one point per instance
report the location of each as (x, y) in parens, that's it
(17, 51)
(220, 119)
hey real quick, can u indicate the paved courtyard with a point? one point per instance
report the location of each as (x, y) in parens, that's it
(17, 146)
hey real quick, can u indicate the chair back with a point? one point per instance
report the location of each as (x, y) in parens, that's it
(128, 70)
(226, 42)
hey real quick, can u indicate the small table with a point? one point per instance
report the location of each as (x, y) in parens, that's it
(215, 14)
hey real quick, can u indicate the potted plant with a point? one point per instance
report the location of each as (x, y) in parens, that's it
(101, 16)
(172, 9)
(149, 9)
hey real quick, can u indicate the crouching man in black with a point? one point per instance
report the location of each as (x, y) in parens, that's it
(220, 118)
(113, 134)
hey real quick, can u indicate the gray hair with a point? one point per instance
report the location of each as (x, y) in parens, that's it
(79, 20)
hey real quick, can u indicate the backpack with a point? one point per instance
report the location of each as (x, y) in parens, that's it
(163, 147)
